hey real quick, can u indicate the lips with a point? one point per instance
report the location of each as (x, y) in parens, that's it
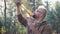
(33, 16)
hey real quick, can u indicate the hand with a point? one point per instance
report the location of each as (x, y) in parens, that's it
(18, 4)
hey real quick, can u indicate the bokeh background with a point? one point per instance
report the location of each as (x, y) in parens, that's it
(9, 23)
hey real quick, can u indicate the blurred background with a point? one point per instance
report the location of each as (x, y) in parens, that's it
(9, 23)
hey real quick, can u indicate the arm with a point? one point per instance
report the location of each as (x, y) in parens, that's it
(20, 17)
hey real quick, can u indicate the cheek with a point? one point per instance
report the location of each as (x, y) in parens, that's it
(37, 13)
(40, 15)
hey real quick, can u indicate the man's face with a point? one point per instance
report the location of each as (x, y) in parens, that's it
(38, 13)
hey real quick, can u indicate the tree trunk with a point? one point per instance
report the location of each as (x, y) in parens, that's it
(5, 12)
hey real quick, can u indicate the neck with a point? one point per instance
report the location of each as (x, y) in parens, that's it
(39, 20)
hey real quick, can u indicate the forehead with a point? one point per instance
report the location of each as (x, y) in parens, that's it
(40, 10)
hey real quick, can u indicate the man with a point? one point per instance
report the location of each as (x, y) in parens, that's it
(36, 25)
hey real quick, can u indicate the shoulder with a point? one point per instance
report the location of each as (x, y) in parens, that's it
(48, 26)
(47, 29)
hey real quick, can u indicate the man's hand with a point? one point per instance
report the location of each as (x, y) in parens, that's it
(18, 4)
(18, 8)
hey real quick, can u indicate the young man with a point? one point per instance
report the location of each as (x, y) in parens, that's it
(36, 25)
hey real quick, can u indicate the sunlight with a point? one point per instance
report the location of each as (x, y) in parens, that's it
(52, 2)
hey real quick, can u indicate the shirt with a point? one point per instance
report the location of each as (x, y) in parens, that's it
(43, 28)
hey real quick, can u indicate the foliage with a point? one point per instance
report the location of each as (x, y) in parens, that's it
(12, 25)
(0, 22)
(53, 17)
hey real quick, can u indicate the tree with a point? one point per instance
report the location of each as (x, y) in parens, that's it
(53, 17)
(57, 7)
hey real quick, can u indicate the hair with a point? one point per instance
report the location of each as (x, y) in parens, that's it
(42, 7)
(45, 10)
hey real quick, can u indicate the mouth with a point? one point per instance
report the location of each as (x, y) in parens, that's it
(34, 16)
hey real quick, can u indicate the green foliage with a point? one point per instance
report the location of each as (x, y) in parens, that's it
(1, 22)
(57, 7)
(53, 17)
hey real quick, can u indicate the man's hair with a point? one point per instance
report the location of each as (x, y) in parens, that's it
(44, 8)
